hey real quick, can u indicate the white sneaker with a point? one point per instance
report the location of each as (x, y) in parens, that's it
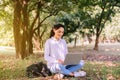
(80, 74)
(82, 62)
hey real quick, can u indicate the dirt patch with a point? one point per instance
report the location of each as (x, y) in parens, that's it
(101, 57)
(105, 53)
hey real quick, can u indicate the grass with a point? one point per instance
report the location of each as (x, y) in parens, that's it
(11, 68)
(102, 71)
(14, 69)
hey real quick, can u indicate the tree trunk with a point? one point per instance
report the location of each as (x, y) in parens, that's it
(23, 46)
(22, 34)
(26, 47)
(97, 39)
(30, 44)
(75, 41)
(96, 43)
(89, 38)
(16, 27)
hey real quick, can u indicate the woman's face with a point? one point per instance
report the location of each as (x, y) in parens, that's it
(58, 33)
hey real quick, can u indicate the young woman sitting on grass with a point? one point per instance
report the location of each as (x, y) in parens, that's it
(55, 53)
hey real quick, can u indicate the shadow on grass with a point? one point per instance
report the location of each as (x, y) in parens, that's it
(14, 69)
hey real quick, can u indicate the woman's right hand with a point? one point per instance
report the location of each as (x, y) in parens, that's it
(60, 61)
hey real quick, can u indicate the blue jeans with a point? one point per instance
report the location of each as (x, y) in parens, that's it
(66, 70)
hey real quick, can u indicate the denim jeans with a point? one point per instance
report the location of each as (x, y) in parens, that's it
(66, 70)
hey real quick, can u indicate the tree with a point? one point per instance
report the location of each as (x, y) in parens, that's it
(20, 28)
(75, 21)
(72, 23)
(107, 10)
(44, 10)
(25, 29)
(96, 14)
(99, 11)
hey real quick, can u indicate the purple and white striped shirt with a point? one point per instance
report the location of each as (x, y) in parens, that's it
(54, 50)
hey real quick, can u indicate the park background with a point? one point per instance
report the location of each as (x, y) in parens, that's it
(92, 27)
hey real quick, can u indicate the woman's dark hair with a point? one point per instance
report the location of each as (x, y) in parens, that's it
(56, 26)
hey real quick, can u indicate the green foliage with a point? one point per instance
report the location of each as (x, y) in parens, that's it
(6, 33)
(112, 29)
(41, 14)
(76, 23)
(91, 15)
(77, 15)
(116, 71)
(99, 11)
(71, 22)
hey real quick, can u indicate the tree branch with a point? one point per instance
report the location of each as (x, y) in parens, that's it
(33, 23)
(43, 32)
(41, 22)
(108, 15)
(100, 19)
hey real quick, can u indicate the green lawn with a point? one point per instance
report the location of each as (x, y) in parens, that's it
(14, 69)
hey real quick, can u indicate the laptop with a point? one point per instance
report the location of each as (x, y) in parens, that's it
(72, 59)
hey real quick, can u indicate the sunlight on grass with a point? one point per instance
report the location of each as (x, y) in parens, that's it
(15, 69)
(101, 71)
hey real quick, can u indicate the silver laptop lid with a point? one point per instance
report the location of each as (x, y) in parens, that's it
(72, 59)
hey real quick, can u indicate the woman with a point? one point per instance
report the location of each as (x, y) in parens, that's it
(55, 53)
